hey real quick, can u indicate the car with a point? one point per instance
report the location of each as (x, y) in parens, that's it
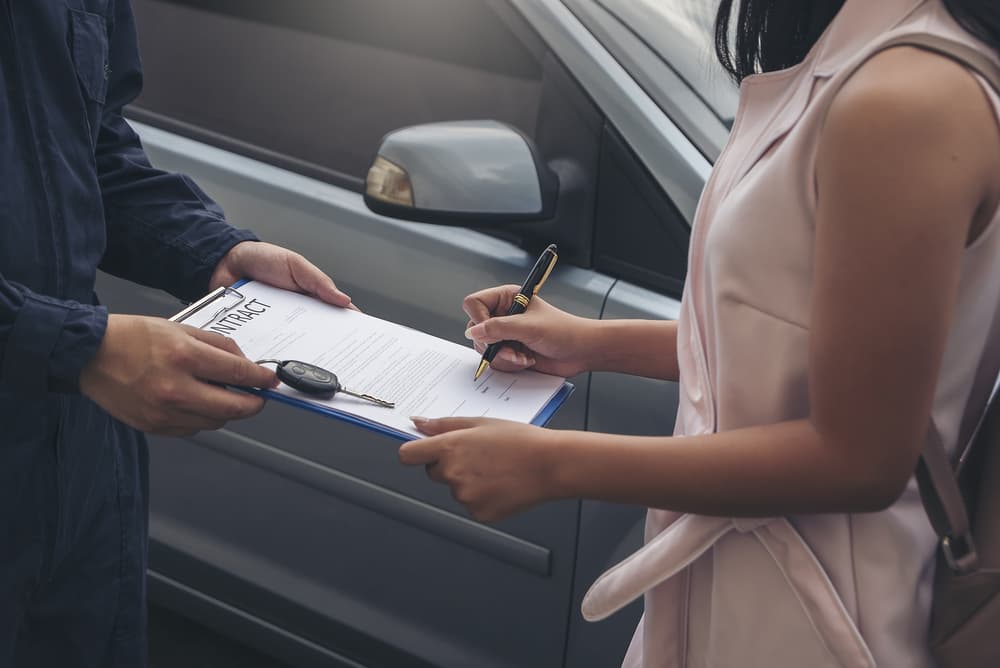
(303, 537)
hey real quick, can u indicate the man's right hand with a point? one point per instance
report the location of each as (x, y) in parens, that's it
(165, 378)
(544, 338)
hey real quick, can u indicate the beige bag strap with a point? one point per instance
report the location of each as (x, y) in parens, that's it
(945, 506)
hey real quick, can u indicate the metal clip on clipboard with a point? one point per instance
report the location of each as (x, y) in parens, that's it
(215, 303)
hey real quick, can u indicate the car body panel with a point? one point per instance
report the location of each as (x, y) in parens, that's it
(303, 536)
(270, 500)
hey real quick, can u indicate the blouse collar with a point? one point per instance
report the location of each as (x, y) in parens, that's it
(856, 24)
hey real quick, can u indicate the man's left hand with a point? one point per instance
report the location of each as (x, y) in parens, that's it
(279, 267)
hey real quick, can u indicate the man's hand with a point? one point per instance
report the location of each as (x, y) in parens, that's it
(163, 377)
(279, 267)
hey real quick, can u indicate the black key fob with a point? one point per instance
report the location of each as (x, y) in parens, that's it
(308, 378)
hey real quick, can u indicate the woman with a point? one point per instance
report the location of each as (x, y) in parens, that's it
(843, 292)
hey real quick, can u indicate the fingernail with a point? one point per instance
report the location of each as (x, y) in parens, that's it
(416, 419)
(467, 333)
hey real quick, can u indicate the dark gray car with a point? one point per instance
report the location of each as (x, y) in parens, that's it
(303, 537)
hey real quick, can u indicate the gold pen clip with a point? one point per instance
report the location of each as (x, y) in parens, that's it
(555, 256)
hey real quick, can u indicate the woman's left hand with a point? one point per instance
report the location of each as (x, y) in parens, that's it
(279, 267)
(495, 468)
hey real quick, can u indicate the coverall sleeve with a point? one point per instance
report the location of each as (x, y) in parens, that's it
(162, 229)
(45, 341)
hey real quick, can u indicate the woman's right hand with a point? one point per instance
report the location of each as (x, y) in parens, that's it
(544, 338)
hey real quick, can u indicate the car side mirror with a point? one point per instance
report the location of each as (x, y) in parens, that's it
(460, 173)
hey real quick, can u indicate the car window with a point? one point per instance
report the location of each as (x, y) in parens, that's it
(313, 86)
(682, 32)
(639, 233)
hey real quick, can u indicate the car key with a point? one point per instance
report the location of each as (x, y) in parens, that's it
(311, 379)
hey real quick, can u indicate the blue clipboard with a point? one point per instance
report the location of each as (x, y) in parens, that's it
(212, 298)
(540, 420)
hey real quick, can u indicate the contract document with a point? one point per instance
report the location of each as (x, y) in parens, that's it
(422, 374)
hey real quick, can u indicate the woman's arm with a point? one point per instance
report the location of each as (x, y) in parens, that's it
(496, 468)
(907, 175)
(638, 347)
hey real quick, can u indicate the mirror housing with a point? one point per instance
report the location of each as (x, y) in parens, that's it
(472, 173)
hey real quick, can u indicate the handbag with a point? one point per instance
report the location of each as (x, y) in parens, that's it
(964, 509)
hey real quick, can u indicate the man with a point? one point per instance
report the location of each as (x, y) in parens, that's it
(78, 194)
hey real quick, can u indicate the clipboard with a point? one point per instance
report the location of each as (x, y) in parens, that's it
(223, 300)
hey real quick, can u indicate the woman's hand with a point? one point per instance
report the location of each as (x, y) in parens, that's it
(279, 267)
(494, 468)
(545, 338)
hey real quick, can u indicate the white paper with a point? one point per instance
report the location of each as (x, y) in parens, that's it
(422, 374)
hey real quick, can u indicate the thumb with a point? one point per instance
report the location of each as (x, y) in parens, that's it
(432, 427)
(254, 374)
(504, 328)
(314, 281)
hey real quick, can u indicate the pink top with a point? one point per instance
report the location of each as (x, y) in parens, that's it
(817, 590)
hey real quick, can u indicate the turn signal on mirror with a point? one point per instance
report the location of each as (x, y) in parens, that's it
(389, 183)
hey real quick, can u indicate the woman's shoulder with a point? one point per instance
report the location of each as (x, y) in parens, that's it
(919, 125)
(911, 84)
(914, 103)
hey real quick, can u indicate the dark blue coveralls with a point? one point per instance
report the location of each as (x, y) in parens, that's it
(77, 193)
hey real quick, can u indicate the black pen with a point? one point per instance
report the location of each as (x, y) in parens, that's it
(530, 287)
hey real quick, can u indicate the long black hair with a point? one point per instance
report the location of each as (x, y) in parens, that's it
(775, 34)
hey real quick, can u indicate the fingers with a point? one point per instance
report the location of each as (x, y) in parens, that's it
(158, 376)
(311, 280)
(214, 339)
(429, 450)
(509, 358)
(512, 361)
(282, 268)
(443, 425)
(504, 328)
(187, 423)
(420, 452)
(218, 405)
(221, 367)
(182, 408)
(196, 402)
(482, 305)
(218, 359)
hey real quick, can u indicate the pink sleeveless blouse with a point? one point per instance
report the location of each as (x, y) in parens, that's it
(813, 591)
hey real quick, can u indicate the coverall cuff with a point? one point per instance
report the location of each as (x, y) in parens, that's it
(203, 274)
(50, 343)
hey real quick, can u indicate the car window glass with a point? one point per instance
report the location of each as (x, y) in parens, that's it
(682, 32)
(318, 83)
